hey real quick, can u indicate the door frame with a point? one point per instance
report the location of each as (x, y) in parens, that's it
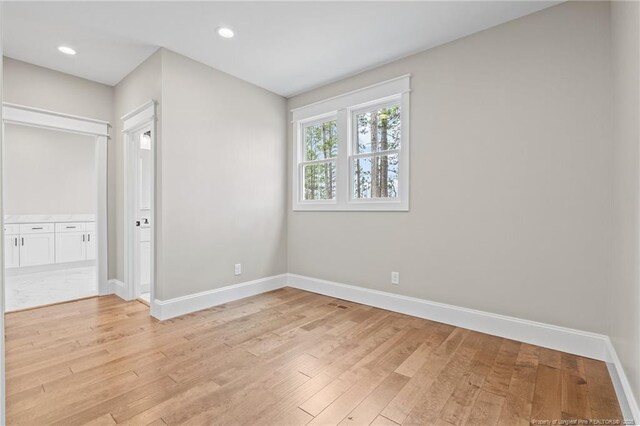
(140, 118)
(35, 117)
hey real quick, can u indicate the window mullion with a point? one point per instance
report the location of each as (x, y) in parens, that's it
(311, 162)
(342, 164)
(375, 154)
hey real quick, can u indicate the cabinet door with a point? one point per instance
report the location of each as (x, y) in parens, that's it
(11, 251)
(71, 247)
(36, 249)
(91, 245)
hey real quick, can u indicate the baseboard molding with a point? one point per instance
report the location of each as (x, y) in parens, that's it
(166, 309)
(118, 288)
(592, 345)
(624, 391)
(559, 338)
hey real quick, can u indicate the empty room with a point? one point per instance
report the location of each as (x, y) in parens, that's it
(320, 213)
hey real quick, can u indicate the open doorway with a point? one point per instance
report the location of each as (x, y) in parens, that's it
(139, 129)
(50, 201)
(54, 196)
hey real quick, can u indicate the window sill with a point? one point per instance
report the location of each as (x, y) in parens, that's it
(354, 206)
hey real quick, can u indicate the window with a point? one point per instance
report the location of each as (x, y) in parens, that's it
(352, 152)
(320, 145)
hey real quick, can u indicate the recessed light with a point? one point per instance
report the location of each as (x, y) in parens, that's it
(225, 32)
(66, 50)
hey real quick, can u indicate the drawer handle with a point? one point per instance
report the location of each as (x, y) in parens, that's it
(39, 227)
(71, 227)
(16, 241)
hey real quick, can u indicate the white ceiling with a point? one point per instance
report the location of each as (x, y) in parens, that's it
(285, 47)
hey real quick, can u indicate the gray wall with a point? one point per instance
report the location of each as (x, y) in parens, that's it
(39, 87)
(223, 189)
(137, 88)
(48, 172)
(511, 175)
(624, 309)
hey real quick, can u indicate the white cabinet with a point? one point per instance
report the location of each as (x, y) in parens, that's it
(91, 245)
(11, 251)
(75, 242)
(71, 247)
(36, 249)
(32, 244)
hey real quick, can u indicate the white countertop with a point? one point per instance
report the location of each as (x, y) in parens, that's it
(48, 218)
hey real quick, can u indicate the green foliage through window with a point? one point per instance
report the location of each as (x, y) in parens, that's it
(378, 132)
(320, 143)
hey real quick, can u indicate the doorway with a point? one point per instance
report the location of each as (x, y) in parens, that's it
(54, 190)
(139, 132)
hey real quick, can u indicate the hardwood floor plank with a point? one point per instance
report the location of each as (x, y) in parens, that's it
(486, 409)
(547, 397)
(286, 357)
(367, 411)
(383, 421)
(516, 409)
(499, 378)
(602, 398)
(431, 403)
(575, 397)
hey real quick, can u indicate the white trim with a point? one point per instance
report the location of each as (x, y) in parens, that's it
(343, 109)
(40, 118)
(118, 288)
(140, 118)
(3, 393)
(592, 345)
(578, 342)
(102, 218)
(171, 308)
(624, 391)
(36, 117)
(360, 96)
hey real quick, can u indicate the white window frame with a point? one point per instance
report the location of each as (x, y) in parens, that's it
(301, 161)
(344, 108)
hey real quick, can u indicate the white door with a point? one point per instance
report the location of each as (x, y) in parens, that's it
(11, 251)
(91, 245)
(143, 210)
(71, 247)
(36, 249)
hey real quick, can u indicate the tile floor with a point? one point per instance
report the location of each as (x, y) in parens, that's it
(43, 288)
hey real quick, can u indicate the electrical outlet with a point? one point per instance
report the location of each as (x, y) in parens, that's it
(395, 278)
(238, 268)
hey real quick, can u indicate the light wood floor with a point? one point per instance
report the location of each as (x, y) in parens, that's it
(286, 357)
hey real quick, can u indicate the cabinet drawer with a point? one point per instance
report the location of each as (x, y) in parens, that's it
(70, 227)
(12, 229)
(36, 228)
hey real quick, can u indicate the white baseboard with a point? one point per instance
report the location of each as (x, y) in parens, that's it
(591, 345)
(559, 338)
(623, 388)
(118, 288)
(165, 309)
